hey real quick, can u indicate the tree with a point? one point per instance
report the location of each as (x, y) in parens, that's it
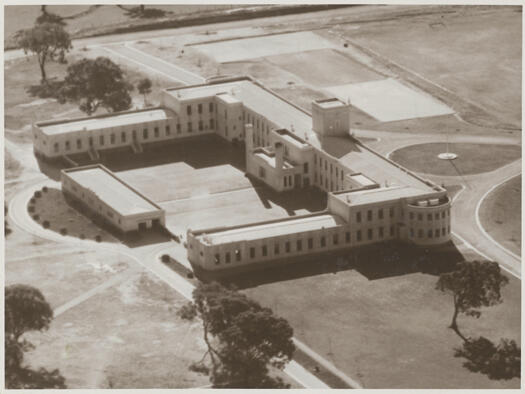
(49, 41)
(25, 310)
(49, 17)
(144, 87)
(243, 338)
(96, 83)
(474, 284)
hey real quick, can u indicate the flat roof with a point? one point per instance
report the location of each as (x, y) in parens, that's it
(370, 196)
(288, 136)
(260, 231)
(330, 103)
(112, 190)
(283, 114)
(362, 180)
(104, 121)
(228, 98)
(270, 159)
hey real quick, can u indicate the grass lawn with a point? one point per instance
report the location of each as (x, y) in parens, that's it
(383, 323)
(500, 214)
(53, 207)
(472, 158)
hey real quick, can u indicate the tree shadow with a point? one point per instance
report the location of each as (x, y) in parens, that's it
(374, 262)
(501, 362)
(30, 379)
(48, 89)
(144, 12)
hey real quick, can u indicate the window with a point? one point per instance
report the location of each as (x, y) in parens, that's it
(101, 140)
(262, 172)
(188, 109)
(323, 242)
(370, 233)
(264, 251)
(419, 216)
(369, 215)
(436, 216)
(79, 144)
(347, 237)
(411, 215)
(336, 171)
(358, 235)
(145, 133)
(276, 249)
(358, 217)
(217, 259)
(443, 231)
(178, 128)
(391, 212)
(200, 125)
(210, 107)
(436, 233)
(380, 213)
(227, 257)
(448, 229)
(429, 233)
(56, 146)
(336, 239)
(285, 181)
(199, 108)
(123, 136)
(310, 243)
(168, 131)
(212, 124)
(156, 132)
(237, 255)
(411, 233)
(420, 234)
(190, 127)
(392, 231)
(287, 247)
(225, 114)
(112, 138)
(331, 168)
(342, 175)
(299, 245)
(429, 216)
(381, 233)
(305, 168)
(252, 253)
(67, 145)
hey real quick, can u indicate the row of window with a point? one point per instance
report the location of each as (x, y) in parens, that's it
(326, 184)
(123, 135)
(339, 173)
(199, 108)
(436, 233)
(305, 244)
(431, 216)
(370, 214)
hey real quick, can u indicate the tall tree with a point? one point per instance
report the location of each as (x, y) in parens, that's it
(25, 310)
(49, 41)
(96, 83)
(144, 88)
(243, 338)
(474, 284)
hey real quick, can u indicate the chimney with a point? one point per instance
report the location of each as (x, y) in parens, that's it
(279, 155)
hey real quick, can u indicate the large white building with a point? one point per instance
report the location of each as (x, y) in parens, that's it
(370, 198)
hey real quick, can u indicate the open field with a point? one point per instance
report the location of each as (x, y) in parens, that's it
(500, 214)
(137, 341)
(474, 52)
(472, 158)
(383, 322)
(255, 47)
(388, 100)
(324, 67)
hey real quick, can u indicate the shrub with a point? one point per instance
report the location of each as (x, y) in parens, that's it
(45, 189)
(38, 194)
(46, 224)
(63, 231)
(31, 208)
(98, 238)
(185, 245)
(190, 275)
(199, 368)
(345, 45)
(176, 239)
(32, 201)
(187, 311)
(82, 236)
(165, 258)
(36, 217)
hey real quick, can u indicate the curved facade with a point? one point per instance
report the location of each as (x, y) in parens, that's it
(428, 221)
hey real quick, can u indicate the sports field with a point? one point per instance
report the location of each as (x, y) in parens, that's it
(255, 47)
(324, 67)
(388, 100)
